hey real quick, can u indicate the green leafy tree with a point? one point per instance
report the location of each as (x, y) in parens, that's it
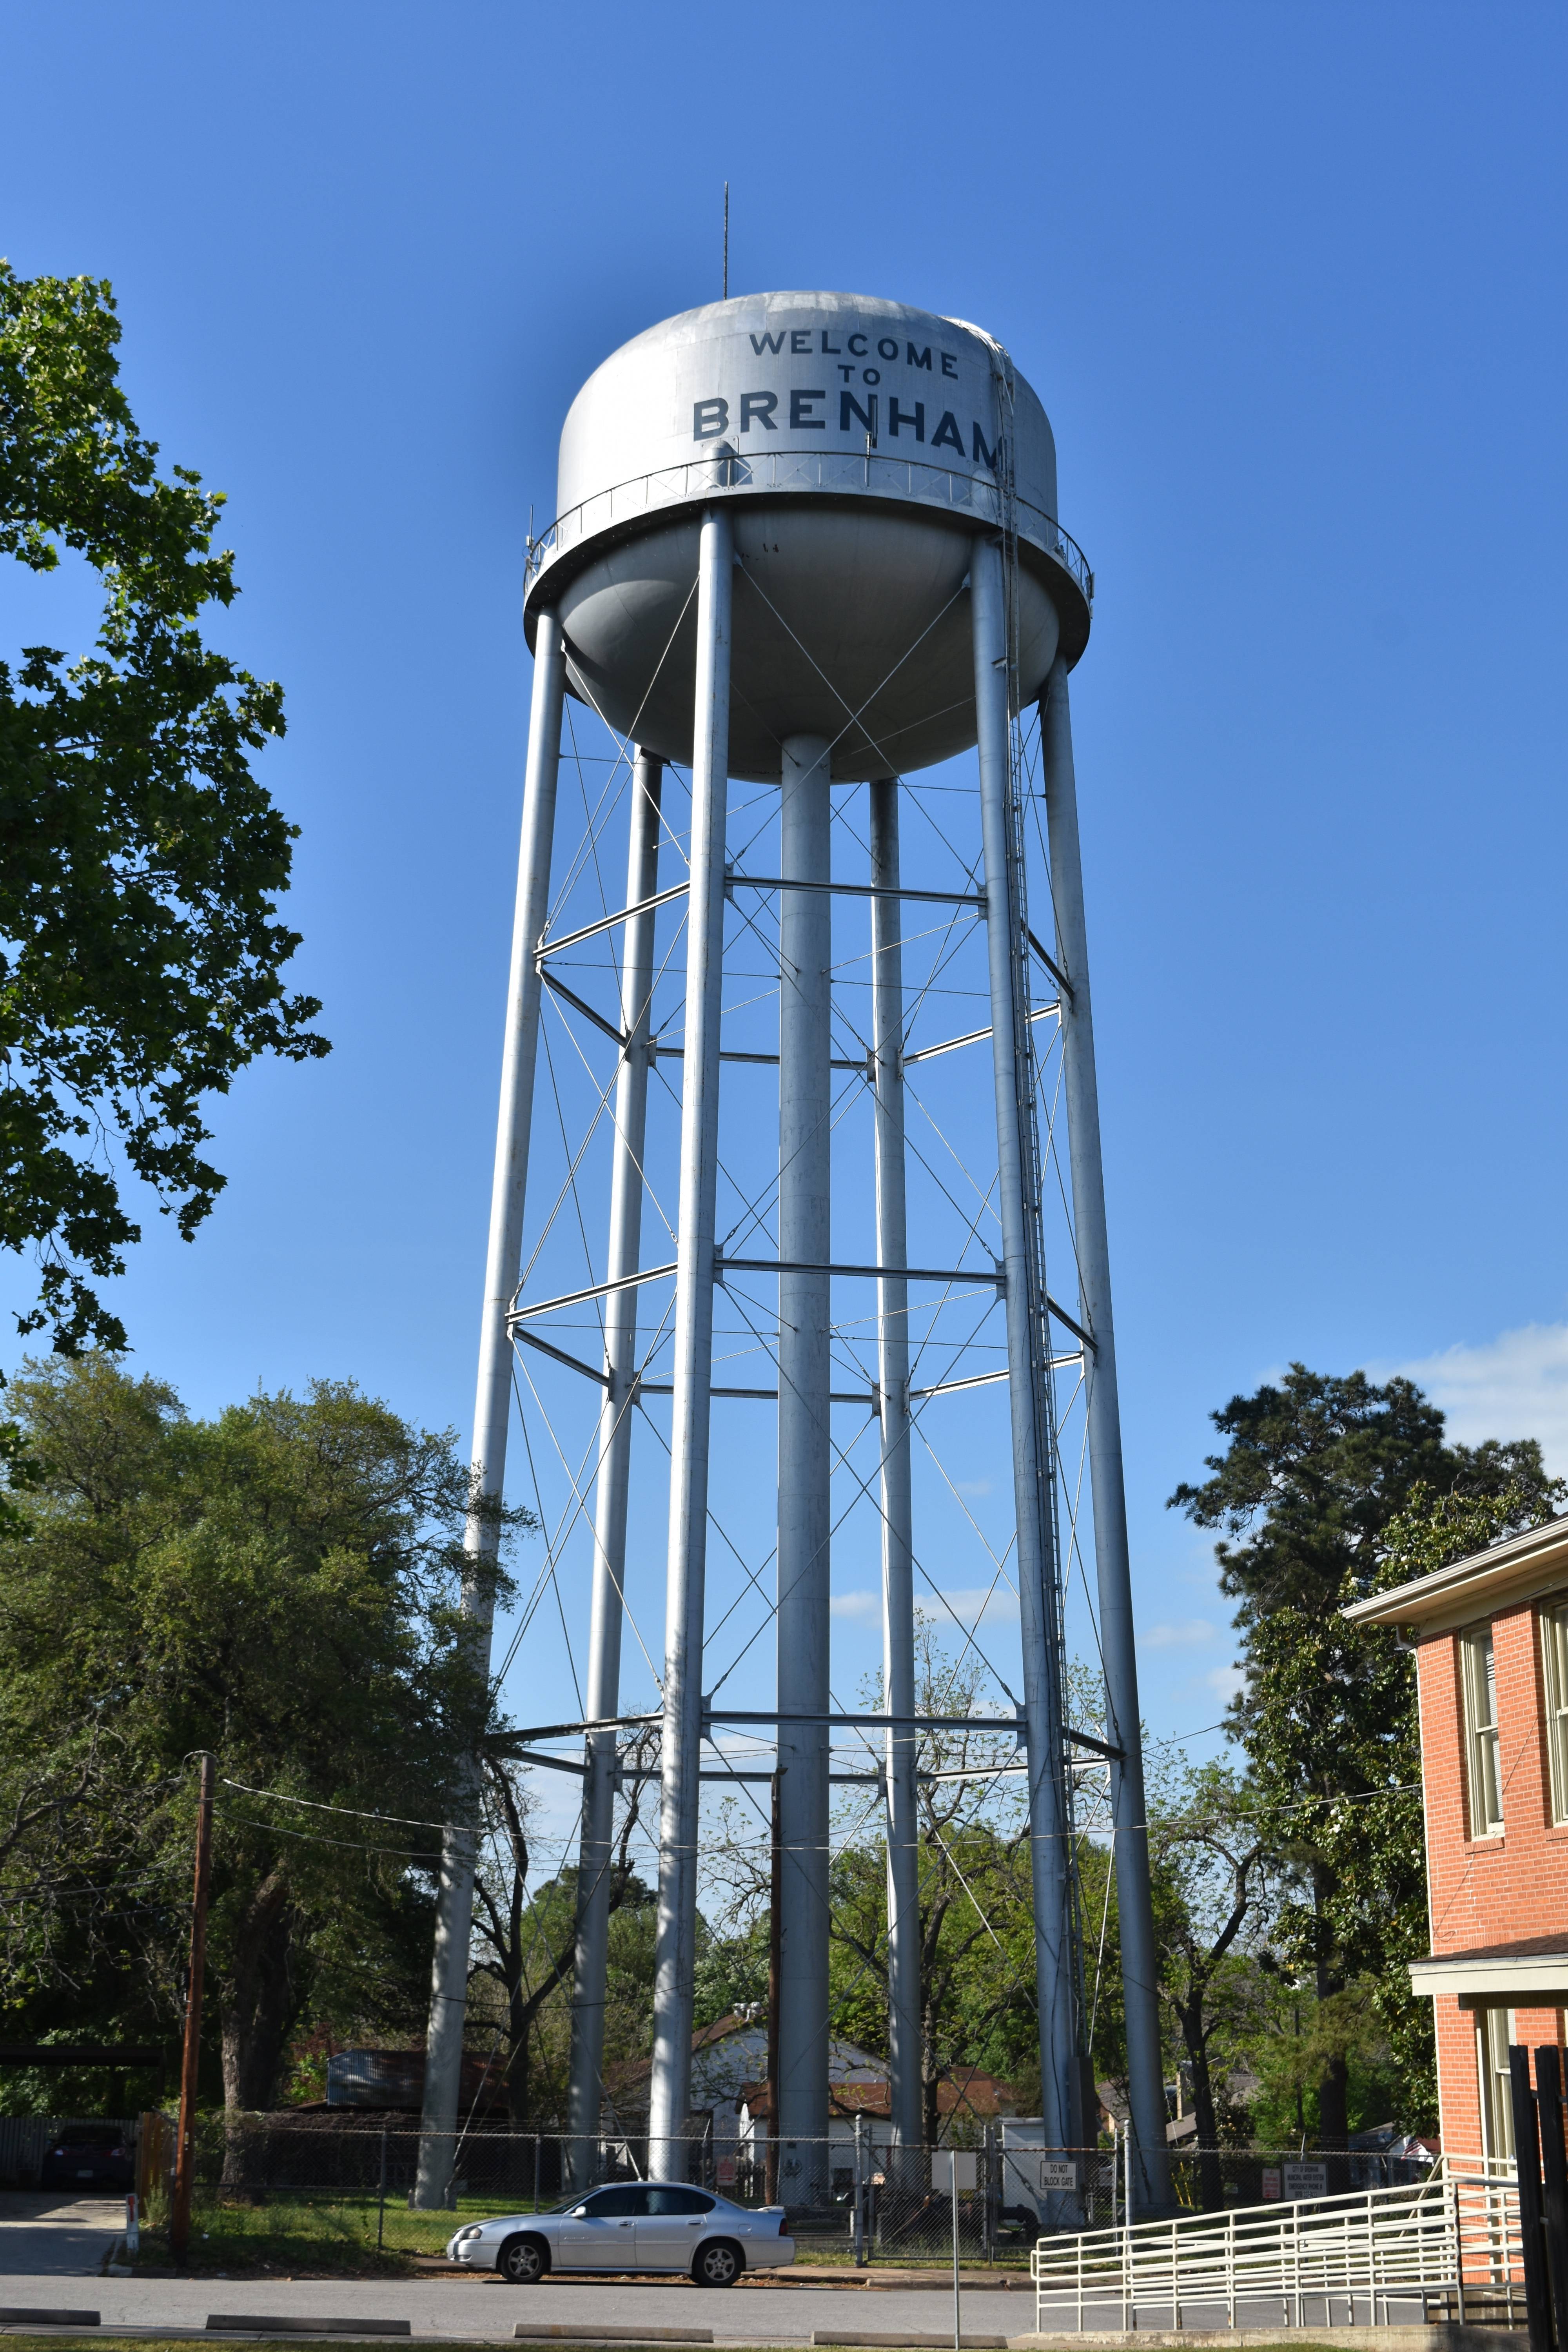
(279, 1586)
(527, 1945)
(1211, 1867)
(140, 859)
(1315, 1493)
(976, 1939)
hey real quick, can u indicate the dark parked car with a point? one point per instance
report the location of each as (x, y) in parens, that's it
(95, 2155)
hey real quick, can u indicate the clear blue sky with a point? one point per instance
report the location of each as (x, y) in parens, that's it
(1290, 281)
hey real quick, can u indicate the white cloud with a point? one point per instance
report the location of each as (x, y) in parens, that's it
(972, 1606)
(1189, 1634)
(1513, 1386)
(971, 1485)
(978, 1604)
(1225, 1681)
(861, 1608)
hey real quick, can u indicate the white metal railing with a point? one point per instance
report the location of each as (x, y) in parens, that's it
(1452, 2233)
(1487, 2193)
(810, 470)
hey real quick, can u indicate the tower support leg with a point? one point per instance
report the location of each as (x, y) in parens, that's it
(692, 1372)
(595, 1850)
(1028, 1364)
(805, 1113)
(1150, 2170)
(893, 1404)
(492, 1409)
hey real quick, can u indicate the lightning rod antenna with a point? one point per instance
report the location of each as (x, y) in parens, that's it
(726, 240)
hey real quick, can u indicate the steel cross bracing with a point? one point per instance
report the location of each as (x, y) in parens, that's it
(606, 1012)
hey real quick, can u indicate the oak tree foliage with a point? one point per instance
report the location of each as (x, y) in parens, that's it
(1331, 1488)
(141, 860)
(279, 1585)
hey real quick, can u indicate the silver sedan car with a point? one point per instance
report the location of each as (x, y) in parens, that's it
(632, 2225)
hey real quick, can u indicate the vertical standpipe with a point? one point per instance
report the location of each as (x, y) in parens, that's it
(680, 1789)
(898, 1522)
(805, 1114)
(492, 1408)
(616, 1416)
(1027, 1367)
(1148, 2189)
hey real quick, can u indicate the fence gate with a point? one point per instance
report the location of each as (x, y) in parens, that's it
(1543, 2160)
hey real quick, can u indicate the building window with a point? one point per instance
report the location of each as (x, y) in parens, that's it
(1554, 1660)
(1497, 2093)
(1481, 1768)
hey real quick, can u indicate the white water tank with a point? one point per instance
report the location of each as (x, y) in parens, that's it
(864, 446)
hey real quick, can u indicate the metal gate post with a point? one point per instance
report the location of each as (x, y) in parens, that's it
(1555, 2176)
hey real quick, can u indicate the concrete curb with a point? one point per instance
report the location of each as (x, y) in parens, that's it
(556, 2331)
(22, 2314)
(1445, 2336)
(228, 2323)
(967, 2343)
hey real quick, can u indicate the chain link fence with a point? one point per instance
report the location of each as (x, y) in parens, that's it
(341, 2186)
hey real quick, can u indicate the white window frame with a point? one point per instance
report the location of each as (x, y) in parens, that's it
(1497, 2031)
(1554, 1686)
(1483, 1759)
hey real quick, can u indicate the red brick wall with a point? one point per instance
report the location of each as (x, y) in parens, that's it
(1488, 1891)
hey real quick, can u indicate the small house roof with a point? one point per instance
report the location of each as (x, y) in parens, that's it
(963, 2090)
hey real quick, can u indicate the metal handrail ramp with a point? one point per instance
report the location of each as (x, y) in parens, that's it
(1379, 2243)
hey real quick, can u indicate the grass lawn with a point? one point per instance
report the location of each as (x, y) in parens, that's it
(322, 2233)
(330, 2233)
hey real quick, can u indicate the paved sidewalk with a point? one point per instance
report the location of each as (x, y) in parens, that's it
(47, 2233)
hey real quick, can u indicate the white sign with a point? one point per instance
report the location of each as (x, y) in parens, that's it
(1057, 2172)
(1305, 2181)
(941, 2180)
(1270, 2181)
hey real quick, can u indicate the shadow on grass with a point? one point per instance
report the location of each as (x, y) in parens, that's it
(322, 2236)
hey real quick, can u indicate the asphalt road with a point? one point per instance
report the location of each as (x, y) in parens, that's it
(46, 2233)
(480, 2308)
(744, 2315)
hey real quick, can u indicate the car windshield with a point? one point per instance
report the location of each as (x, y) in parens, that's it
(578, 2197)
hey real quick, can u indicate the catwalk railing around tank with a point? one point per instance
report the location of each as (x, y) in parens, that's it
(793, 472)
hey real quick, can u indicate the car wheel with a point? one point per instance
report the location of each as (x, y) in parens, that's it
(523, 2261)
(718, 2264)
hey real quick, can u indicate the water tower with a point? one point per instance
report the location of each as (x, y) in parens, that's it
(809, 541)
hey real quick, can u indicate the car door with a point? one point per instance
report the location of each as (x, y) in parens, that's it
(602, 2234)
(672, 2226)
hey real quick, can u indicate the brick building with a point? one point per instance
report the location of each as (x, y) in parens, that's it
(1491, 1635)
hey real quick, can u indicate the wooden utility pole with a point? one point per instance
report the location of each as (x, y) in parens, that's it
(776, 1935)
(186, 2155)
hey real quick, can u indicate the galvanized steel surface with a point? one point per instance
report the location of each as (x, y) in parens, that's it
(864, 445)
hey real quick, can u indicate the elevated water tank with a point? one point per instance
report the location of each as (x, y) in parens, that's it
(864, 445)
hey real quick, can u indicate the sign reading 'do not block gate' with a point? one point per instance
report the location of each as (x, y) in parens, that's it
(1035, 2174)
